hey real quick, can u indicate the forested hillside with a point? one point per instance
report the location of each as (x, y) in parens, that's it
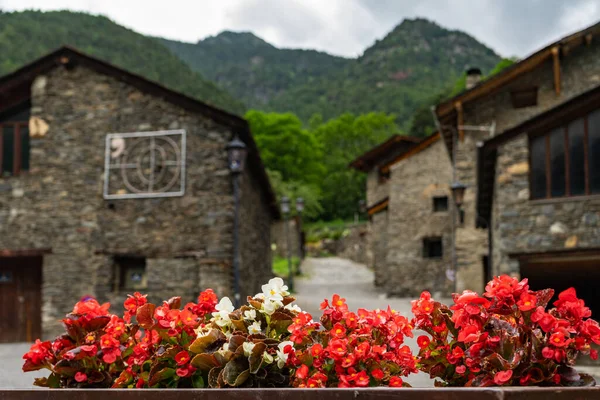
(399, 73)
(25, 36)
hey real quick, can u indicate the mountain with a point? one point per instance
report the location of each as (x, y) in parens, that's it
(252, 69)
(25, 36)
(399, 73)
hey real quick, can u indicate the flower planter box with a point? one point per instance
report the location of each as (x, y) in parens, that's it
(509, 393)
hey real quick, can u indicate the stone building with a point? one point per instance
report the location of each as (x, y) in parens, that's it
(526, 144)
(408, 191)
(86, 214)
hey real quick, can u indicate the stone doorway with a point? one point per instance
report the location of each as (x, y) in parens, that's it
(20, 298)
(561, 271)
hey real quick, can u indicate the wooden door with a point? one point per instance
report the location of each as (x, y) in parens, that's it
(20, 299)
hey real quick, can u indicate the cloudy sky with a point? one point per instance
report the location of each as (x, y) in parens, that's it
(343, 27)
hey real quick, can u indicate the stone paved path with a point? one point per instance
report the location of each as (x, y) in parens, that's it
(326, 276)
(11, 362)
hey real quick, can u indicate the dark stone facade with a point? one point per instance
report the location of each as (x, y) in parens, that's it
(397, 233)
(187, 241)
(520, 225)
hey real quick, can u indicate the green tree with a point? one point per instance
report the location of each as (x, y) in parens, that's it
(343, 139)
(286, 147)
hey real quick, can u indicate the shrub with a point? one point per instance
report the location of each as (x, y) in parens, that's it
(351, 349)
(205, 344)
(505, 337)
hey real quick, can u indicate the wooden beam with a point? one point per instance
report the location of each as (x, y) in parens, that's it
(460, 120)
(556, 67)
(382, 205)
(25, 252)
(588, 39)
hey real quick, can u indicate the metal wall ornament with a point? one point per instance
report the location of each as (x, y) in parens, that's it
(144, 164)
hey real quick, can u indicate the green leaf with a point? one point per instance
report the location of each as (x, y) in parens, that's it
(174, 303)
(236, 341)
(236, 371)
(256, 357)
(213, 377)
(210, 342)
(198, 381)
(144, 315)
(68, 368)
(161, 375)
(205, 362)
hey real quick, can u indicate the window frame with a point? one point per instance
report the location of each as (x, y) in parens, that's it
(17, 146)
(434, 198)
(426, 243)
(123, 264)
(546, 133)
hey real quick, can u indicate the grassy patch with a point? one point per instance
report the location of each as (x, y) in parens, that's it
(280, 266)
(321, 230)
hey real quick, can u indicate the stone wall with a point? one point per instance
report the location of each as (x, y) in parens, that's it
(376, 190)
(353, 245)
(414, 182)
(378, 243)
(521, 225)
(580, 71)
(255, 237)
(59, 203)
(471, 242)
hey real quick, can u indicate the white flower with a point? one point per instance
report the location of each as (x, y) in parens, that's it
(250, 314)
(267, 358)
(293, 307)
(281, 356)
(269, 307)
(247, 346)
(259, 296)
(254, 328)
(275, 289)
(221, 316)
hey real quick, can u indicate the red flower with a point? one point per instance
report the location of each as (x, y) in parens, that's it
(108, 342)
(362, 379)
(470, 333)
(548, 353)
(302, 372)
(184, 372)
(338, 331)
(80, 377)
(377, 374)
(396, 381)
(182, 357)
(110, 355)
(316, 350)
(188, 318)
(456, 355)
(547, 323)
(558, 339)
(461, 369)
(38, 353)
(502, 377)
(337, 348)
(348, 361)
(423, 341)
(527, 302)
(91, 308)
(593, 354)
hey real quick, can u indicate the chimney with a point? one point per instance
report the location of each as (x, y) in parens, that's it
(473, 77)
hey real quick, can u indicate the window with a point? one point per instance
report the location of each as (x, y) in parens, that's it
(440, 204)
(432, 247)
(524, 97)
(131, 272)
(14, 143)
(384, 176)
(566, 161)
